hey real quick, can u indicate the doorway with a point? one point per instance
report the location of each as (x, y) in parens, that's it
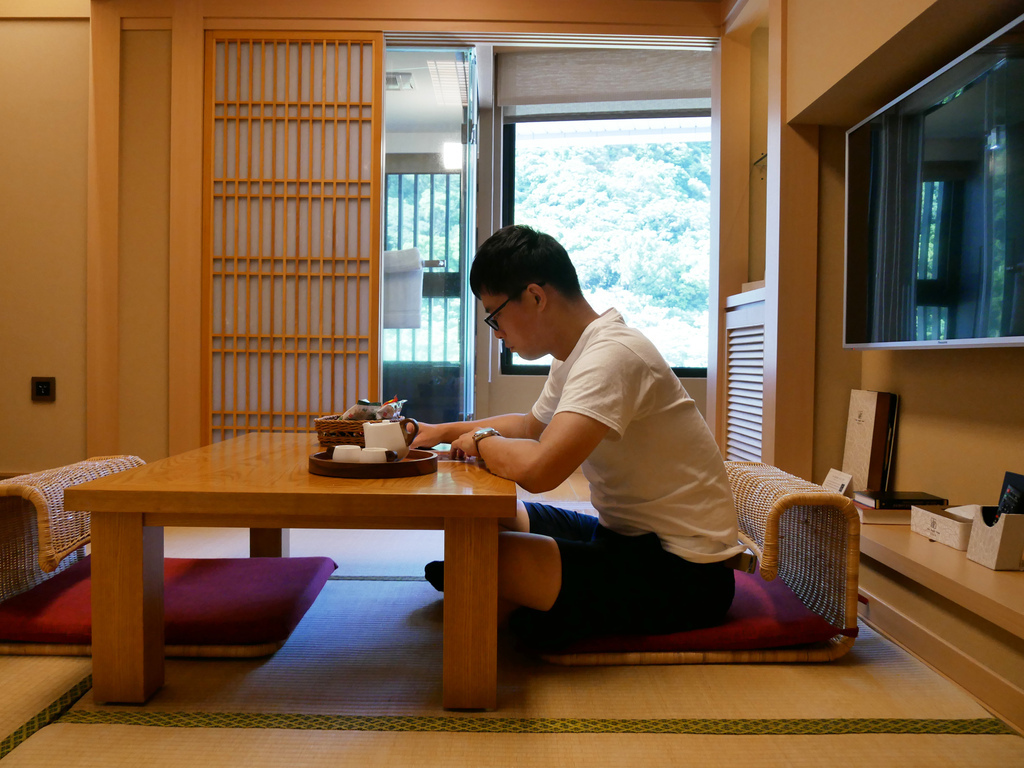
(429, 199)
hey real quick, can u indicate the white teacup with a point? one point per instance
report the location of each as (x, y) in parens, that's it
(390, 435)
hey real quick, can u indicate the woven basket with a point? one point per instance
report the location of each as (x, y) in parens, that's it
(334, 430)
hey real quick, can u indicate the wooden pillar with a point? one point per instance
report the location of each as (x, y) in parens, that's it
(101, 283)
(730, 226)
(186, 385)
(790, 270)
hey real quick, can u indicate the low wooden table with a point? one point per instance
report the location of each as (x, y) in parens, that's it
(261, 481)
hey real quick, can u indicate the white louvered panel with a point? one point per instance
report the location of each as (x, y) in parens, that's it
(744, 392)
(742, 410)
(740, 452)
(739, 401)
(749, 423)
(751, 431)
(742, 443)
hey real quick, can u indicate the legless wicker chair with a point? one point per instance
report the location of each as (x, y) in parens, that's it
(805, 535)
(42, 550)
(38, 537)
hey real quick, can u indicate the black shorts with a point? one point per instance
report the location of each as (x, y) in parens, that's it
(619, 585)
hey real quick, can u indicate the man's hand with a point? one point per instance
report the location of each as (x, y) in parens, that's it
(429, 435)
(464, 446)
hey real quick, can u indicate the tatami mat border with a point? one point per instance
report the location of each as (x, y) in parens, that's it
(455, 724)
(47, 716)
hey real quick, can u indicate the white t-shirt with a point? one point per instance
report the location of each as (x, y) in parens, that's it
(658, 469)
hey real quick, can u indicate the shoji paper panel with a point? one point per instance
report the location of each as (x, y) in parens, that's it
(292, 248)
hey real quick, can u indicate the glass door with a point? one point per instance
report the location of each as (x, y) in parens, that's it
(430, 181)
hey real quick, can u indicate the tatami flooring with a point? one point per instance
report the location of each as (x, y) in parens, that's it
(358, 684)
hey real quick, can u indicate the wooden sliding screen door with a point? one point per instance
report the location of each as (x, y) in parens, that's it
(291, 228)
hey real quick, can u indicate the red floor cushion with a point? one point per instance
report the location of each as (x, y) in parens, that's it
(237, 601)
(764, 614)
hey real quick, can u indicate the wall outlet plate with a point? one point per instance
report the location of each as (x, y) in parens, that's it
(44, 389)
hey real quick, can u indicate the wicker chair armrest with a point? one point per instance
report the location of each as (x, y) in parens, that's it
(62, 531)
(807, 534)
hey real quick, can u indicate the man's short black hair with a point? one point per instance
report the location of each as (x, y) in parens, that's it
(516, 256)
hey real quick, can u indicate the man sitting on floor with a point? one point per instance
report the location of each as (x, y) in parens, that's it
(652, 562)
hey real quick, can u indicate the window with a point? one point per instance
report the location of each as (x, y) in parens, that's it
(423, 210)
(630, 199)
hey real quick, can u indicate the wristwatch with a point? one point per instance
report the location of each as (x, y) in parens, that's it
(484, 432)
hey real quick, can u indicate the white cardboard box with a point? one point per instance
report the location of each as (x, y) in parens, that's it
(951, 527)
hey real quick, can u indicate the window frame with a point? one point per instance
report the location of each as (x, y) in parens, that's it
(508, 188)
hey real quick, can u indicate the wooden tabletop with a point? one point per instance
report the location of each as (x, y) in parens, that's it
(268, 473)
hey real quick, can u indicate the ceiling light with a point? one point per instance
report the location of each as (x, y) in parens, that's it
(451, 155)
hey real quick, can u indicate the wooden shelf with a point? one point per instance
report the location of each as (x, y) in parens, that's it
(965, 620)
(997, 596)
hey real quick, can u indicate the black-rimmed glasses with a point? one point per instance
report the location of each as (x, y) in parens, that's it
(490, 319)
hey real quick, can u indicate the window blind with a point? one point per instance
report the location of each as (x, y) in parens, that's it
(573, 76)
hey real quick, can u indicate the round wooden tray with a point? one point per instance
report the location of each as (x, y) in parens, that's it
(416, 463)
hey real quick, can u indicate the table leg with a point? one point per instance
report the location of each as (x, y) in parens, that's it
(127, 608)
(470, 613)
(269, 542)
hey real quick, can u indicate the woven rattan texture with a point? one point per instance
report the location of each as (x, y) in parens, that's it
(334, 430)
(60, 532)
(19, 548)
(809, 536)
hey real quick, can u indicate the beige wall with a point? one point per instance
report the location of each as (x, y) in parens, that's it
(961, 422)
(837, 370)
(44, 68)
(823, 44)
(848, 59)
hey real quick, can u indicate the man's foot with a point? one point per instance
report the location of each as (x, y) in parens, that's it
(434, 573)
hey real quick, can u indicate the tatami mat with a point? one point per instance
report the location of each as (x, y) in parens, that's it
(359, 684)
(35, 690)
(87, 746)
(374, 648)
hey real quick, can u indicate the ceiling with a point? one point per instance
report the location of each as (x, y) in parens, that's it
(433, 104)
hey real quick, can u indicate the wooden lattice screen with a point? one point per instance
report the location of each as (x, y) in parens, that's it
(291, 228)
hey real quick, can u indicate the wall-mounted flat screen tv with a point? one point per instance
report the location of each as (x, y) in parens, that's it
(935, 208)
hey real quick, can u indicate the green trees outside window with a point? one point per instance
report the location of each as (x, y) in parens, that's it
(630, 199)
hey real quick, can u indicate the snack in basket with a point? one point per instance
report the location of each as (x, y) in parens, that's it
(364, 410)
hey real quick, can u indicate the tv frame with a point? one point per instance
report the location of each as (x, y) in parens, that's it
(967, 343)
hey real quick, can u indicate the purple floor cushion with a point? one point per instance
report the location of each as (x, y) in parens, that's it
(764, 614)
(237, 601)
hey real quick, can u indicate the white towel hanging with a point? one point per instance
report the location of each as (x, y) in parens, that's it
(403, 288)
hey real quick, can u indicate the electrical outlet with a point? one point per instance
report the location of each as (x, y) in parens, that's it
(44, 389)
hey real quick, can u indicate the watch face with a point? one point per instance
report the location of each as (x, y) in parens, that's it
(480, 434)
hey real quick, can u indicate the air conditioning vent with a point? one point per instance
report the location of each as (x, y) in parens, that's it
(398, 81)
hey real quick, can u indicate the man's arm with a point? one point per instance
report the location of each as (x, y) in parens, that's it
(523, 425)
(542, 463)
